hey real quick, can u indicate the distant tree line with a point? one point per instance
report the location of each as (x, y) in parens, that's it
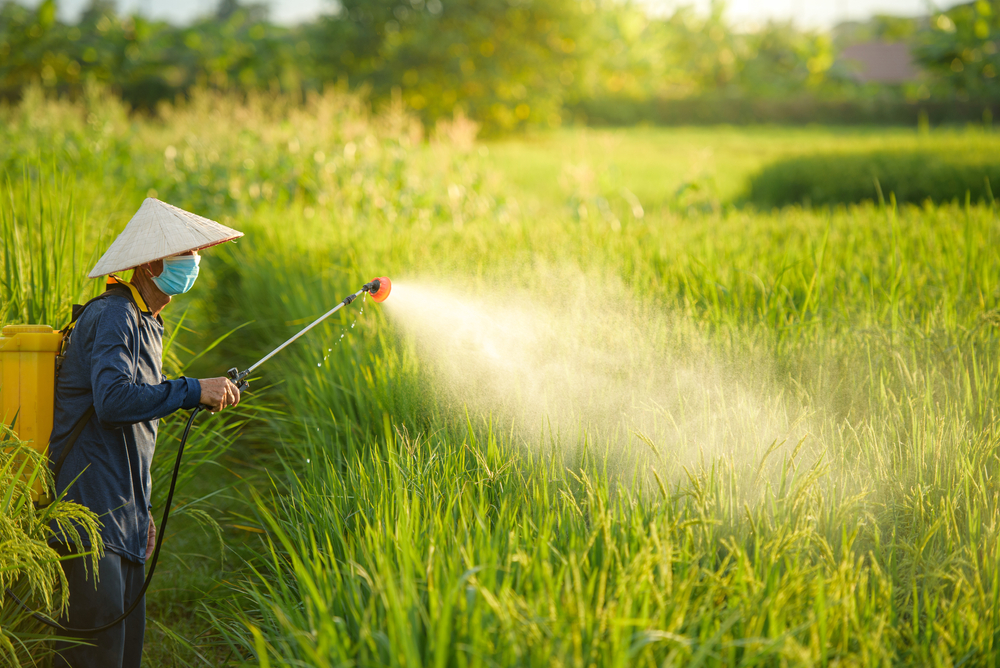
(507, 63)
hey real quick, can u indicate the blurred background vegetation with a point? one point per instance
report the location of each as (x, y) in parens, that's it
(514, 64)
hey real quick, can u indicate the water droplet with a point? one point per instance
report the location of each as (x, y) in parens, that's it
(319, 364)
(352, 325)
(309, 461)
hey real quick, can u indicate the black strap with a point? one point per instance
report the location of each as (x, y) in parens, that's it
(117, 288)
(75, 434)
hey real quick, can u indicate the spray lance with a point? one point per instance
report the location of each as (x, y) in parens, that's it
(378, 288)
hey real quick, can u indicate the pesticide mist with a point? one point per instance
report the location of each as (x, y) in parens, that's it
(583, 361)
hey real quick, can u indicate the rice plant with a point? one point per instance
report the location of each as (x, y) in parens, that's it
(29, 566)
(867, 543)
(39, 215)
(818, 487)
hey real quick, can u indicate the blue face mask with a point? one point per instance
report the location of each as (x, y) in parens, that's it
(178, 275)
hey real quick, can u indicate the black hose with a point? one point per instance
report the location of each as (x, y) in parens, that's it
(162, 531)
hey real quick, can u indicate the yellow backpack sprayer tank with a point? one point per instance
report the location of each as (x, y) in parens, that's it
(27, 386)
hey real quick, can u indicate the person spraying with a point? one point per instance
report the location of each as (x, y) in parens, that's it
(109, 395)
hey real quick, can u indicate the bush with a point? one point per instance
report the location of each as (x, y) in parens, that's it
(913, 175)
(712, 109)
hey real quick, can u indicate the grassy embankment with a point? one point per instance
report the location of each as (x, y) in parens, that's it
(840, 504)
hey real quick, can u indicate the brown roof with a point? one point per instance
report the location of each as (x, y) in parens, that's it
(881, 62)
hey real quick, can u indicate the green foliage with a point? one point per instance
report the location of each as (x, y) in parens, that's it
(505, 64)
(36, 285)
(495, 59)
(400, 532)
(632, 55)
(961, 47)
(912, 176)
(145, 61)
(437, 544)
(394, 548)
(710, 109)
(428, 553)
(28, 565)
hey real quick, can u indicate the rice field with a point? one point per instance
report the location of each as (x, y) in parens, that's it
(608, 417)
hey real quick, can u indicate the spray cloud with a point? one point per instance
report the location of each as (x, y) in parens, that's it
(583, 357)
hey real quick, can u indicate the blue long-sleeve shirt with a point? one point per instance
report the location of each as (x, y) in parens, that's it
(114, 361)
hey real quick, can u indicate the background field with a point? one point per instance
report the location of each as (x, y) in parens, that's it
(610, 416)
(673, 168)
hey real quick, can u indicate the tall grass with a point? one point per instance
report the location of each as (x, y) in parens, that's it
(402, 532)
(910, 176)
(39, 215)
(436, 552)
(870, 543)
(405, 551)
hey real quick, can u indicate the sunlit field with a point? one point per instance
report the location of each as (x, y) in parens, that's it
(676, 167)
(611, 415)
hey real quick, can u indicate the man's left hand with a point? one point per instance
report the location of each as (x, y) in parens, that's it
(151, 538)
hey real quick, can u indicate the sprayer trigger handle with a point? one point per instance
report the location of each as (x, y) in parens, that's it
(237, 378)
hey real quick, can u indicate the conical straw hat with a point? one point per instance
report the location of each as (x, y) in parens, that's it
(159, 230)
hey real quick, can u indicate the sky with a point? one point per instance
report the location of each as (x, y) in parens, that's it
(743, 13)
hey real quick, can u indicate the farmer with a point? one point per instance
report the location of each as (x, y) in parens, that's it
(111, 385)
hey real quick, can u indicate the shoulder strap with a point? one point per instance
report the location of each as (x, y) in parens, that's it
(67, 330)
(140, 305)
(133, 295)
(78, 310)
(137, 299)
(75, 434)
(113, 281)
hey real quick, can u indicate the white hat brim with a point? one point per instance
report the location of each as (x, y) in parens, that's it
(159, 230)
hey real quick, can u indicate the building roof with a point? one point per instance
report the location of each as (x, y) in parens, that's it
(881, 62)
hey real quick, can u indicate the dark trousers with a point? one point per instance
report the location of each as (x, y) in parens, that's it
(89, 606)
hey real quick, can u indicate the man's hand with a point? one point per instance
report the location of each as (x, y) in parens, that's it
(217, 393)
(151, 538)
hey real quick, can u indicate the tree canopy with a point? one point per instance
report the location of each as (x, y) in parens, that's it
(507, 64)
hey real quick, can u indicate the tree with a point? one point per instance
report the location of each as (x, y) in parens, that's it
(254, 12)
(961, 47)
(498, 60)
(96, 10)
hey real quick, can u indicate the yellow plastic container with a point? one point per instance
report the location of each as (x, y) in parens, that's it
(27, 385)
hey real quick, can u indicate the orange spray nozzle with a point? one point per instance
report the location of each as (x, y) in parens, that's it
(379, 288)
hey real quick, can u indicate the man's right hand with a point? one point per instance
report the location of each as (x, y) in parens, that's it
(218, 393)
